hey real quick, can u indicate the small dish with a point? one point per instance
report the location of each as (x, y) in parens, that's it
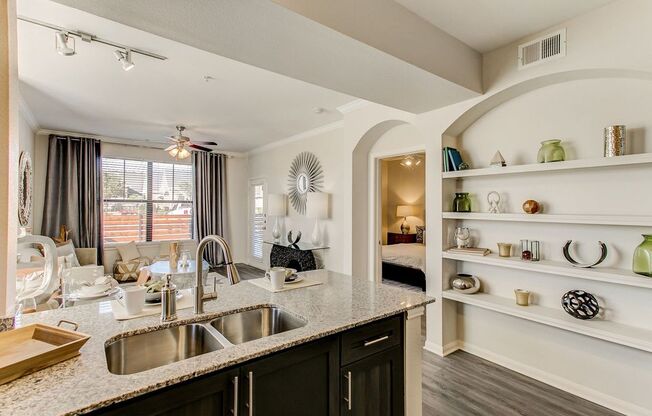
(295, 278)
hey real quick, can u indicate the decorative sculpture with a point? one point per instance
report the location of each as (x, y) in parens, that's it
(293, 242)
(493, 198)
(603, 255)
(580, 304)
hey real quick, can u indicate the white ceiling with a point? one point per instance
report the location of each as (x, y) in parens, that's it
(244, 107)
(486, 25)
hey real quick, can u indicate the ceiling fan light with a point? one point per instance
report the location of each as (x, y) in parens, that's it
(61, 40)
(183, 154)
(174, 151)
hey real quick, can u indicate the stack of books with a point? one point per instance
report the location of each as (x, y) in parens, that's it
(473, 251)
(452, 159)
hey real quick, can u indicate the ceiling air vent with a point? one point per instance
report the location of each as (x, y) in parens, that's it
(543, 49)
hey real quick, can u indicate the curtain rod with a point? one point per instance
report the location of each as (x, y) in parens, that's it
(118, 142)
(87, 37)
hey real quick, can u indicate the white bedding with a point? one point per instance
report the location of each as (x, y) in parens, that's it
(407, 255)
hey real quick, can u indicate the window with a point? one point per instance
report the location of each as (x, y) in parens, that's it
(146, 201)
(257, 219)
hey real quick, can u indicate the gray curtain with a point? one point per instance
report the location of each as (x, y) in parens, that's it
(209, 201)
(73, 191)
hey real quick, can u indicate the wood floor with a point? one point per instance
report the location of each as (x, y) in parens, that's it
(462, 384)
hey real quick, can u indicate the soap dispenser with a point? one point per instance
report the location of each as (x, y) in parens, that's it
(168, 300)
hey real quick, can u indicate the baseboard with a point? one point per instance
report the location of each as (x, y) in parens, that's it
(556, 381)
(449, 348)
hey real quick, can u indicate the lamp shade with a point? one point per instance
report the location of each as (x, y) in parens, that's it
(317, 205)
(276, 205)
(405, 210)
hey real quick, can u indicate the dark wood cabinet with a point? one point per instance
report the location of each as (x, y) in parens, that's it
(357, 372)
(398, 238)
(373, 386)
(299, 382)
(209, 395)
(372, 376)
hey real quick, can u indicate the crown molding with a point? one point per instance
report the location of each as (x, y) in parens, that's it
(150, 144)
(297, 137)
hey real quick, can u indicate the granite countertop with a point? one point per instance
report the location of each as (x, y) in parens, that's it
(83, 384)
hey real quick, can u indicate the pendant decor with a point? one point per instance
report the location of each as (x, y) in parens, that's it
(24, 189)
(306, 175)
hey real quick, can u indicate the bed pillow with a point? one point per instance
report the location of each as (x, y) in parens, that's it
(128, 251)
(421, 234)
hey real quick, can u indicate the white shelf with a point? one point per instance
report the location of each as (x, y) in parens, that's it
(600, 274)
(554, 166)
(606, 330)
(619, 220)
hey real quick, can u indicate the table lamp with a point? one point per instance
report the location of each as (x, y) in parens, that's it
(405, 211)
(276, 207)
(317, 208)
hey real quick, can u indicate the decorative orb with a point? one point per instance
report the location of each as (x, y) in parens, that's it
(531, 206)
(580, 304)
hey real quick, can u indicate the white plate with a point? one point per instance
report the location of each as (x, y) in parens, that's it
(83, 296)
(94, 290)
(297, 280)
(179, 296)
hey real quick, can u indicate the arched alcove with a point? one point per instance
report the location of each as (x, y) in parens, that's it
(360, 195)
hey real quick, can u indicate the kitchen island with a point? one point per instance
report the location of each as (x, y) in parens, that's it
(341, 310)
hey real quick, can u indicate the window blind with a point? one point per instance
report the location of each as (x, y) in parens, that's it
(146, 201)
(259, 221)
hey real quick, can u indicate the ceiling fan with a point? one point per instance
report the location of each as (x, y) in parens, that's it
(179, 150)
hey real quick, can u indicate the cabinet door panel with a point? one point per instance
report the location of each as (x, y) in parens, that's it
(211, 396)
(302, 381)
(374, 386)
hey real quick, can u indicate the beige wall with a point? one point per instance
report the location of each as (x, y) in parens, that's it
(8, 153)
(402, 186)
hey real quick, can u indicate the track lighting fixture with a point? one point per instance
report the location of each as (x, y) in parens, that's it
(124, 57)
(62, 43)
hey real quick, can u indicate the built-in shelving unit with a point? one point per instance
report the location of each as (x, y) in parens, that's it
(617, 220)
(551, 167)
(602, 329)
(600, 274)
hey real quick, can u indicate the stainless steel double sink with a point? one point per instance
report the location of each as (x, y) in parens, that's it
(140, 352)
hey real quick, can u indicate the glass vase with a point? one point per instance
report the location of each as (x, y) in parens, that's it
(551, 151)
(642, 263)
(462, 202)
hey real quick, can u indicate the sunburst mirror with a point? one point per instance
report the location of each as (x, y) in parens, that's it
(306, 175)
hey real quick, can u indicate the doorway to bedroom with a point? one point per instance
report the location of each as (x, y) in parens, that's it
(402, 220)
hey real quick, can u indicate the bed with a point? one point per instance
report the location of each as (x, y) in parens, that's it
(405, 263)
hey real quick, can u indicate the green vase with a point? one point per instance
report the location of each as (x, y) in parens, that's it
(642, 263)
(462, 203)
(551, 151)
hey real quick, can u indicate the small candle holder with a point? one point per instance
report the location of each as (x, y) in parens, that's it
(526, 254)
(504, 249)
(522, 297)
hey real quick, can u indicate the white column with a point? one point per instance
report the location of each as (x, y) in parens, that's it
(413, 362)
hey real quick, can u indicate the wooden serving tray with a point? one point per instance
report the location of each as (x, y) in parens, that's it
(34, 347)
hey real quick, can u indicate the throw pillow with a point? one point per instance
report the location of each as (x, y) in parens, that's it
(68, 250)
(421, 234)
(128, 251)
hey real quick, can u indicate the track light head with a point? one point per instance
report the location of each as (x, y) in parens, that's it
(62, 44)
(124, 57)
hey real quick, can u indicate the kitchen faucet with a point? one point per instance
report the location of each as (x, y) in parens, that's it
(231, 271)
